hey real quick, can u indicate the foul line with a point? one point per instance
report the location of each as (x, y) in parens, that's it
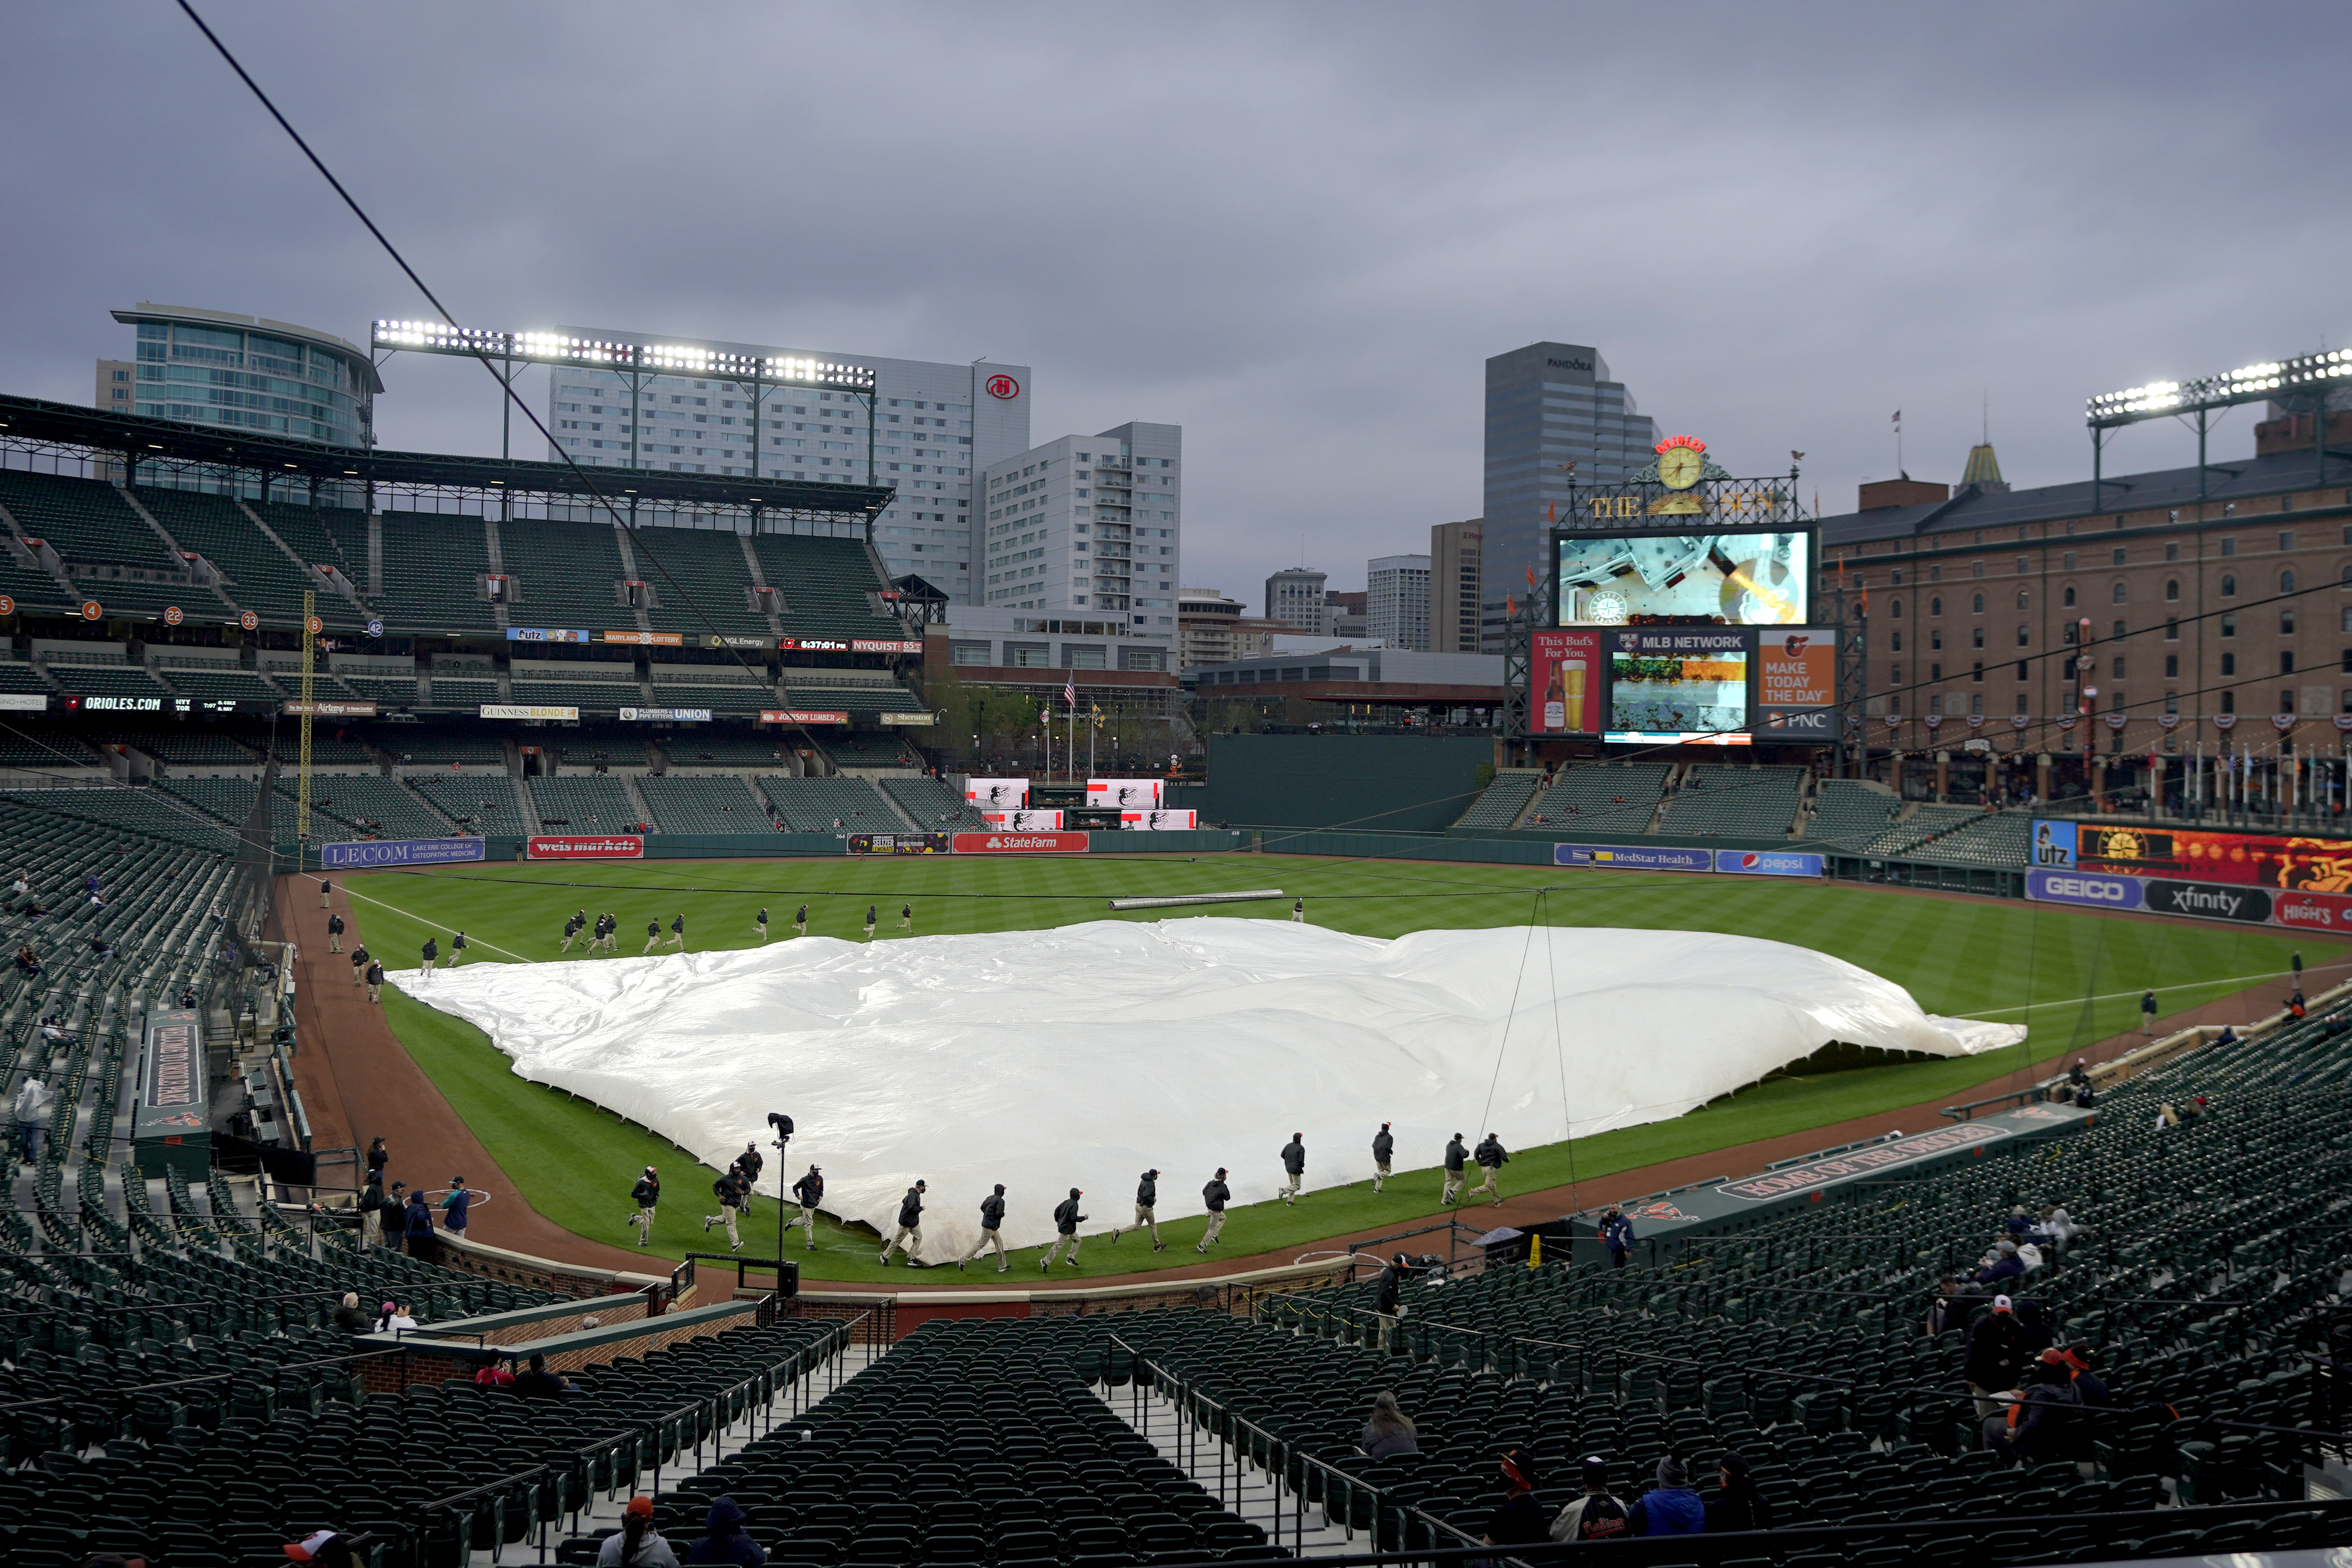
(2160, 990)
(395, 909)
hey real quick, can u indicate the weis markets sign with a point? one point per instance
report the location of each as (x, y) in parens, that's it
(400, 852)
(609, 847)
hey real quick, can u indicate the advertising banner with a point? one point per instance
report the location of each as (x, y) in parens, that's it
(527, 710)
(608, 846)
(900, 844)
(1678, 685)
(997, 794)
(330, 710)
(2076, 888)
(400, 852)
(23, 702)
(665, 715)
(551, 634)
(169, 1127)
(1024, 820)
(906, 718)
(1159, 821)
(2312, 911)
(1020, 843)
(886, 644)
(1754, 578)
(1633, 857)
(1123, 794)
(1565, 672)
(2209, 900)
(1769, 863)
(1795, 684)
(2261, 859)
(803, 715)
(714, 639)
(2158, 895)
(645, 639)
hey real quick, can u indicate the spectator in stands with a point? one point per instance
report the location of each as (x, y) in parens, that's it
(378, 1157)
(1950, 1308)
(454, 1206)
(1294, 1165)
(1390, 1431)
(394, 1317)
(1066, 1220)
(1670, 1508)
(28, 963)
(1737, 1504)
(2079, 1073)
(35, 1106)
(2018, 1222)
(1490, 1157)
(1216, 1195)
(2006, 1265)
(636, 1544)
(375, 982)
(2037, 1422)
(371, 1207)
(349, 1316)
(1457, 1153)
(2093, 1388)
(2193, 1111)
(321, 1548)
(537, 1383)
(1598, 1515)
(1617, 1236)
(2087, 1096)
(416, 1225)
(2052, 1232)
(910, 1233)
(646, 1195)
(723, 1540)
(1519, 1519)
(493, 1374)
(1997, 1354)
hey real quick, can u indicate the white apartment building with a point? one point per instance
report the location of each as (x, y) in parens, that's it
(1091, 525)
(934, 426)
(1396, 606)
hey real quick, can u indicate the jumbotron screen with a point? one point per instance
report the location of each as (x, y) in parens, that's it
(1755, 578)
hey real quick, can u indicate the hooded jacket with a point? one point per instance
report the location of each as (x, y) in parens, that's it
(1382, 1146)
(432, 948)
(910, 1208)
(1667, 1511)
(809, 1190)
(723, 1540)
(992, 1211)
(419, 1220)
(1216, 1194)
(1384, 1292)
(1066, 1216)
(1147, 1190)
(1455, 1155)
(647, 1192)
(1491, 1152)
(1294, 1156)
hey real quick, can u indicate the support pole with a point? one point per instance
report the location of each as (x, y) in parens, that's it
(302, 779)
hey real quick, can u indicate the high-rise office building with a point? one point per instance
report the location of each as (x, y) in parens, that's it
(1396, 591)
(1547, 406)
(243, 372)
(934, 425)
(1087, 523)
(1456, 562)
(1295, 596)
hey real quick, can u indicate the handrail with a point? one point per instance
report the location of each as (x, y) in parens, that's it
(207, 1377)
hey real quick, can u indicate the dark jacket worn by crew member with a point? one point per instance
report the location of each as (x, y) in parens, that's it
(1491, 1152)
(1384, 1292)
(1216, 1194)
(1294, 1156)
(375, 973)
(647, 1192)
(729, 1189)
(1382, 1146)
(910, 1208)
(1617, 1233)
(1455, 1155)
(992, 1212)
(1147, 1191)
(1066, 1216)
(334, 925)
(432, 949)
(809, 1190)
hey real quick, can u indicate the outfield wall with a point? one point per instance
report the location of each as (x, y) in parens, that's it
(827, 846)
(1378, 784)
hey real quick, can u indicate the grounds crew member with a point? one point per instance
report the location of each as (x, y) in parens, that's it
(431, 953)
(1067, 1219)
(646, 1195)
(1617, 1236)
(327, 888)
(750, 1162)
(1299, 912)
(359, 964)
(1456, 1152)
(2147, 1012)
(906, 917)
(608, 928)
(375, 981)
(1216, 1194)
(1491, 1158)
(677, 932)
(808, 1192)
(800, 922)
(761, 925)
(457, 950)
(571, 930)
(869, 922)
(653, 934)
(1146, 1202)
(729, 1190)
(1384, 1145)
(991, 1220)
(1294, 1162)
(334, 934)
(909, 1235)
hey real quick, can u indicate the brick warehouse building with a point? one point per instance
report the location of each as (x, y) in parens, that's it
(2212, 597)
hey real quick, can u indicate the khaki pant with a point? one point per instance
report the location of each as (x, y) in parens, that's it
(371, 1229)
(800, 928)
(429, 963)
(909, 1238)
(1493, 1174)
(1290, 1180)
(565, 945)
(359, 973)
(1146, 1220)
(807, 1222)
(456, 956)
(989, 1239)
(1383, 1332)
(1453, 1186)
(869, 930)
(325, 891)
(1987, 1405)
(375, 993)
(726, 1217)
(677, 940)
(2148, 1023)
(643, 1220)
(334, 941)
(762, 926)
(905, 922)
(1379, 1175)
(1216, 1225)
(652, 942)
(1055, 1250)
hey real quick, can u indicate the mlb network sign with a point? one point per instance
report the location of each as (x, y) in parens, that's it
(399, 852)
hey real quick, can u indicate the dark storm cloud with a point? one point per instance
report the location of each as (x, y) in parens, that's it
(1298, 231)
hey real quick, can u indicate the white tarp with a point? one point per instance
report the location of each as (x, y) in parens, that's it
(1078, 1056)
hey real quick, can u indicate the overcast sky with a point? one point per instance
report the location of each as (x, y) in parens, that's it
(1296, 230)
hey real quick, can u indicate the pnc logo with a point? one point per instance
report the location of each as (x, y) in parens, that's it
(1003, 387)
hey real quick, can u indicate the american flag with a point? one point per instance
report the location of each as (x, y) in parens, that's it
(1070, 692)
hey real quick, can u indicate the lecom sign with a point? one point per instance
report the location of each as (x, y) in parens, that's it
(610, 846)
(1020, 843)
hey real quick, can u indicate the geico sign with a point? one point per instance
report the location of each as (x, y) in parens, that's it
(2101, 892)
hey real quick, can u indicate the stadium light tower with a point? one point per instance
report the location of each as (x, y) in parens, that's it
(2307, 379)
(635, 364)
(782, 1125)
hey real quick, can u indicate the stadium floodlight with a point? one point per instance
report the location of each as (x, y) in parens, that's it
(608, 353)
(2247, 384)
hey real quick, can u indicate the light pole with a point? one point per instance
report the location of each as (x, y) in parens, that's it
(783, 1126)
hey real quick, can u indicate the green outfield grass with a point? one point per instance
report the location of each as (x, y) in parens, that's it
(2072, 977)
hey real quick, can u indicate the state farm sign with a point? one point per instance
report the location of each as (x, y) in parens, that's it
(1020, 843)
(608, 847)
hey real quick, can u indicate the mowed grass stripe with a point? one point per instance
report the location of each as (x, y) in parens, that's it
(574, 1161)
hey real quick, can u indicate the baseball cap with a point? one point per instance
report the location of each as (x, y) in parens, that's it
(2000, 1303)
(649, 1170)
(1595, 1468)
(312, 1546)
(640, 1505)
